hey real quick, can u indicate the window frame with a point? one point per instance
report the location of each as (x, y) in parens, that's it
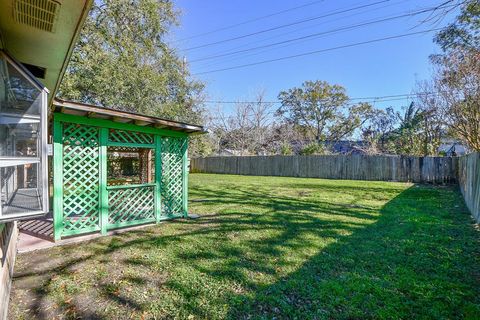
(42, 140)
(135, 146)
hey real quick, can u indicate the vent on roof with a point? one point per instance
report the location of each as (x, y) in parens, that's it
(36, 71)
(40, 14)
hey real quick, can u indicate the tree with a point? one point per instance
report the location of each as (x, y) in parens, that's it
(356, 117)
(321, 108)
(464, 32)
(457, 75)
(381, 125)
(260, 118)
(284, 136)
(433, 127)
(122, 60)
(457, 80)
(248, 129)
(406, 139)
(417, 131)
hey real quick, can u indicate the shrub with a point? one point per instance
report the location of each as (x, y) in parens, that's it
(312, 148)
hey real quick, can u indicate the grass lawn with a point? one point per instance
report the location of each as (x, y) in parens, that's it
(270, 247)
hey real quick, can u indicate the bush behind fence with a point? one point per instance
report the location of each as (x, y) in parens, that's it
(347, 167)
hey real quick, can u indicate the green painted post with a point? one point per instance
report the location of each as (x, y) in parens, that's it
(103, 192)
(185, 179)
(57, 179)
(158, 177)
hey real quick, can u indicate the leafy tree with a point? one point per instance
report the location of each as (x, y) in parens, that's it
(433, 128)
(406, 138)
(322, 109)
(464, 32)
(122, 60)
(356, 117)
(381, 125)
(201, 146)
(418, 132)
(457, 75)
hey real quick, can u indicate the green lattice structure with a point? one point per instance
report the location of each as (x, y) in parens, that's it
(83, 200)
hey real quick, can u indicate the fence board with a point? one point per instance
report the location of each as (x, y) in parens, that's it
(469, 181)
(351, 167)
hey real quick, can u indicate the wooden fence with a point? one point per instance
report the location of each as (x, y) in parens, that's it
(469, 181)
(351, 167)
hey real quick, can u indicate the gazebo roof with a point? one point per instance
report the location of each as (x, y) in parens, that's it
(97, 112)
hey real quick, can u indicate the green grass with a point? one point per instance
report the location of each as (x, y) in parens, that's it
(269, 247)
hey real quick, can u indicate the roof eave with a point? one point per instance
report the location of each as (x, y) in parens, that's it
(93, 111)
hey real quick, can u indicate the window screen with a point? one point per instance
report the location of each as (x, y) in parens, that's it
(23, 141)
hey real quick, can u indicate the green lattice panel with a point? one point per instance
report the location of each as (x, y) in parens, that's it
(81, 179)
(121, 136)
(130, 205)
(171, 183)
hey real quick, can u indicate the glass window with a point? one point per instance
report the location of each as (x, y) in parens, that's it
(23, 142)
(19, 139)
(130, 165)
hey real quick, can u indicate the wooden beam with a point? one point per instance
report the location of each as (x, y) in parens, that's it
(75, 112)
(142, 123)
(121, 120)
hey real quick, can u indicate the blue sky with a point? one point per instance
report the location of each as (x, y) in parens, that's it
(377, 69)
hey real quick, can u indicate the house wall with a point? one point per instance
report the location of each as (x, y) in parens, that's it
(469, 181)
(8, 252)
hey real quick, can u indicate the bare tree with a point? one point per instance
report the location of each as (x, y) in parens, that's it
(260, 122)
(248, 129)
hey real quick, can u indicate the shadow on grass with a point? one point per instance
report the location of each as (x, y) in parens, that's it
(419, 259)
(276, 257)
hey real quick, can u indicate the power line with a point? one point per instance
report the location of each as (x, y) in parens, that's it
(363, 99)
(284, 25)
(320, 51)
(346, 104)
(249, 21)
(376, 100)
(333, 19)
(315, 35)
